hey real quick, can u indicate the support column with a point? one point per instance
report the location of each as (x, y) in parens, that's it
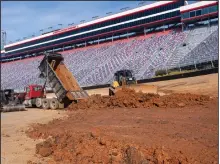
(209, 21)
(179, 68)
(195, 64)
(182, 26)
(112, 38)
(212, 64)
(166, 71)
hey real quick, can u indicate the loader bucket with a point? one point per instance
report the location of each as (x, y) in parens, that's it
(144, 88)
(13, 108)
(138, 88)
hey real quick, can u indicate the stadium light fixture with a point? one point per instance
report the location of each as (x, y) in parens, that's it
(125, 8)
(141, 3)
(50, 27)
(60, 24)
(109, 13)
(95, 17)
(82, 21)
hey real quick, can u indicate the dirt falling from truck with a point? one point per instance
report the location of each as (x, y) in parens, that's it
(130, 99)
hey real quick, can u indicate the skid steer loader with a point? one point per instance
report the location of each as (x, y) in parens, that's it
(125, 79)
(10, 101)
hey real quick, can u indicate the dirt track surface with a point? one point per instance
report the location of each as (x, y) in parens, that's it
(16, 147)
(205, 84)
(128, 133)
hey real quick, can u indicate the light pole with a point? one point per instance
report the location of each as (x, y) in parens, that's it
(60, 25)
(41, 31)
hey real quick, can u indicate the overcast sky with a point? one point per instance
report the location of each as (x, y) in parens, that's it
(23, 19)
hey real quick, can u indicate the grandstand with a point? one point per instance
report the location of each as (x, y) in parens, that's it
(168, 35)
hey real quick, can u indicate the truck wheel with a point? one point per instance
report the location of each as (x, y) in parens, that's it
(54, 104)
(38, 102)
(45, 104)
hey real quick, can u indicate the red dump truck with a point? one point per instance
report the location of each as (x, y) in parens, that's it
(59, 78)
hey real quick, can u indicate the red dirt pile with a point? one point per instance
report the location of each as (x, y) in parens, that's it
(130, 99)
(93, 148)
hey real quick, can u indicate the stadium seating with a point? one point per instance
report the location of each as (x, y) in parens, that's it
(193, 39)
(207, 50)
(143, 55)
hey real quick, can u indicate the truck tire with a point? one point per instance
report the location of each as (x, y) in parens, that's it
(54, 104)
(45, 104)
(38, 102)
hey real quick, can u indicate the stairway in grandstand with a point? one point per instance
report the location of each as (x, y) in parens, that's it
(195, 38)
(144, 55)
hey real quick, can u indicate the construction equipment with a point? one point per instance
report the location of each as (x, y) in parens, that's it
(10, 101)
(62, 82)
(125, 79)
(60, 79)
(32, 95)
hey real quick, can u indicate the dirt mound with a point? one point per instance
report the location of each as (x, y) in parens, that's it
(131, 99)
(93, 148)
(133, 135)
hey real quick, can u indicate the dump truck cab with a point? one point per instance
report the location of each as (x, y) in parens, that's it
(34, 91)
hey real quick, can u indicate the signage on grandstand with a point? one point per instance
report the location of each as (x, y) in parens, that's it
(65, 29)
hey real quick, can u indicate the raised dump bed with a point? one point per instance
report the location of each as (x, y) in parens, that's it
(60, 79)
